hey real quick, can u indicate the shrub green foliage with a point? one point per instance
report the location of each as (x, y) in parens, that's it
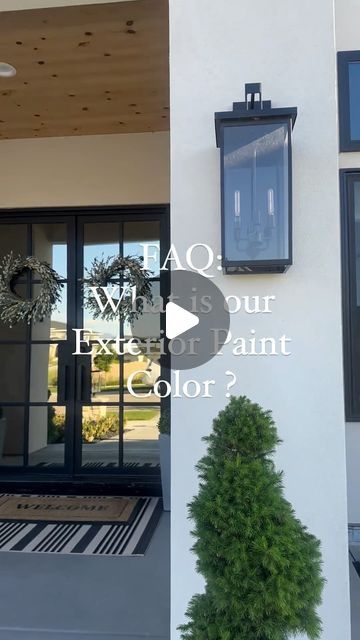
(140, 415)
(164, 422)
(104, 361)
(56, 427)
(97, 427)
(261, 566)
(93, 429)
(100, 428)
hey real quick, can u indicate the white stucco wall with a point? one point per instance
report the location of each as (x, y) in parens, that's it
(84, 170)
(290, 48)
(347, 13)
(353, 471)
(347, 17)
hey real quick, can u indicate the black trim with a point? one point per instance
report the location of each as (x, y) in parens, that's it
(143, 209)
(344, 58)
(350, 310)
(116, 486)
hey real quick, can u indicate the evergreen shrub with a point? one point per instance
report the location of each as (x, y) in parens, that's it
(262, 567)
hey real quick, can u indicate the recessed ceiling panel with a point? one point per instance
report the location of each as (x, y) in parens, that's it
(85, 70)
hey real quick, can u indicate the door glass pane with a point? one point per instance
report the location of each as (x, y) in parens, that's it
(12, 436)
(141, 435)
(105, 371)
(357, 237)
(16, 332)
(12, 373)
(138, 234)
(101, 240)
(147, 325)
(354, 91)
(100, 438)
(13, 237)
(55, 327)
(141, 373)
(44, 372)
(98, 326)
(50, 245)
(19, 330)
(47, 436)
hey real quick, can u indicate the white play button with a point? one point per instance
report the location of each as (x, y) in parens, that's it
(178, 320)
(194, 317)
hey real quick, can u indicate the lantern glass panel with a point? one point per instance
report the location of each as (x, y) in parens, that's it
(256, 192)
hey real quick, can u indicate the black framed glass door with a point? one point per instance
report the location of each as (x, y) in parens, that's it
(66, 415)
(35, 434)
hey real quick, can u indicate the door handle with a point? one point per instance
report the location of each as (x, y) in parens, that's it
(83, 389)
(80, 379)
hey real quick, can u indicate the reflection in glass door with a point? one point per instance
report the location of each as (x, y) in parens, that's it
(67, 415)
(33, 416)
(119, 432)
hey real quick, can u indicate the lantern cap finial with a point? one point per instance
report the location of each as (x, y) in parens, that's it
(253, 89)
(253, 99)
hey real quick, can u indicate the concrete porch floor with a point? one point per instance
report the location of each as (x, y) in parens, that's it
(63, 597)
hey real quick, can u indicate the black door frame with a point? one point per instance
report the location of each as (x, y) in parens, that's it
(51, 480)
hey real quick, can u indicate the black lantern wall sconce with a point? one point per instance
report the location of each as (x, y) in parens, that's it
(256, 223)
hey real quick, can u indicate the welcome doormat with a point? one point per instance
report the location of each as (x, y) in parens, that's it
(129, 538)
(68, 508)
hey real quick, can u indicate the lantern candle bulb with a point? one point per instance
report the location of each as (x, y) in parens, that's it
(271, 206)
(237, 205)
(237, 218)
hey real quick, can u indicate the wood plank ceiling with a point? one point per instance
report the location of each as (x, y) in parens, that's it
(85, 70)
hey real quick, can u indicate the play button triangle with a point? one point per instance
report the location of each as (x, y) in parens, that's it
(178, 320)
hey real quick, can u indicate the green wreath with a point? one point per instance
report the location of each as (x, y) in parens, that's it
(13, 308)
(105, 272)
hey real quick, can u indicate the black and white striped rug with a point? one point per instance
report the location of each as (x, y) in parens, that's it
(108, 465)
(89, 539)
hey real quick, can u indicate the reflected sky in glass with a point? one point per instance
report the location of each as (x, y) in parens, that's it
(354, 91)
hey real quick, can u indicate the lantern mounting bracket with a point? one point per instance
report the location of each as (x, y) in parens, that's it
(253, 89)
(253, 108)
(253, 100)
